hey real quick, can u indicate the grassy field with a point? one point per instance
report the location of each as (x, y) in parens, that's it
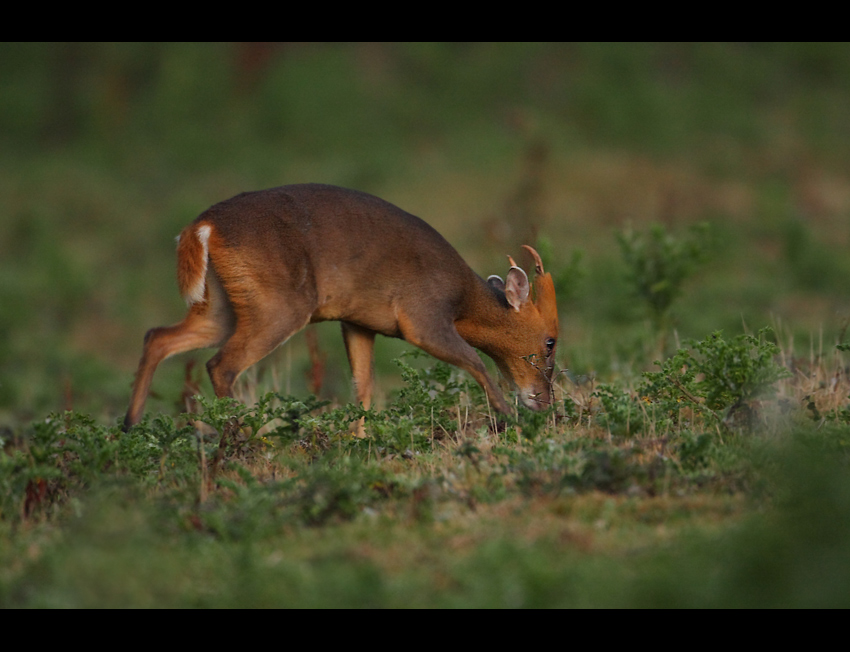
(692, 201)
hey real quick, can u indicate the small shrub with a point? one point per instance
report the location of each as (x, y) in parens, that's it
(716, 378)
(620, 414)
(658, 263)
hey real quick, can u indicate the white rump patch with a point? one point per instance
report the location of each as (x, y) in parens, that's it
(196, 292)
(204, 234)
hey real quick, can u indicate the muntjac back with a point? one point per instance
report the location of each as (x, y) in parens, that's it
(259, 267)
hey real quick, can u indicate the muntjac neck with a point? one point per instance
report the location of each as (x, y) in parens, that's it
(484, 313)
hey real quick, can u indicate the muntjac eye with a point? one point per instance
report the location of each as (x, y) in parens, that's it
(550, 345)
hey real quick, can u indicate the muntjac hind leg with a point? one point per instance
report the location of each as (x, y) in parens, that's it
(360, 345)
(260, 327)
(200, 329)
(253, 338)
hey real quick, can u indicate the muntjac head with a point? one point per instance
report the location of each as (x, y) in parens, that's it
(525, 347)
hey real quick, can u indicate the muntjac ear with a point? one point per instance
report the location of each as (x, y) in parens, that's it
(516, 288)
(496, 282)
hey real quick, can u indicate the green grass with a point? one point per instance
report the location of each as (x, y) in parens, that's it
(434, 509)
(689, 507)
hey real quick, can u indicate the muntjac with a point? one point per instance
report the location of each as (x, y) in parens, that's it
(259, 267)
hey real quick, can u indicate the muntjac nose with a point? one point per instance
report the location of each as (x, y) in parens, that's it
(536, 402)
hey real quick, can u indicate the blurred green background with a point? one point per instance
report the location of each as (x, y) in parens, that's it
(108, 150)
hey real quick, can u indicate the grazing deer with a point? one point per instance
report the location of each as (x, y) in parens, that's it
(259, 267)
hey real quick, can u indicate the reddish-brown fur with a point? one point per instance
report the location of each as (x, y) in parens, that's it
(191, 262)
(282, 258)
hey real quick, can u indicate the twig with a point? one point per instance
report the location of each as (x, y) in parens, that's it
(691, 397)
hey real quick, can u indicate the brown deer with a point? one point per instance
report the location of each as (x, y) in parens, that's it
(259, 267)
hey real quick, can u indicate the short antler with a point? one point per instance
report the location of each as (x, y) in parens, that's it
(538, 264)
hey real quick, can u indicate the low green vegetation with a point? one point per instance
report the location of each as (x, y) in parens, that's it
(663, 496)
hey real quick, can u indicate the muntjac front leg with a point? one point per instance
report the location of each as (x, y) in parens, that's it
(359, 345)
(444, 343)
